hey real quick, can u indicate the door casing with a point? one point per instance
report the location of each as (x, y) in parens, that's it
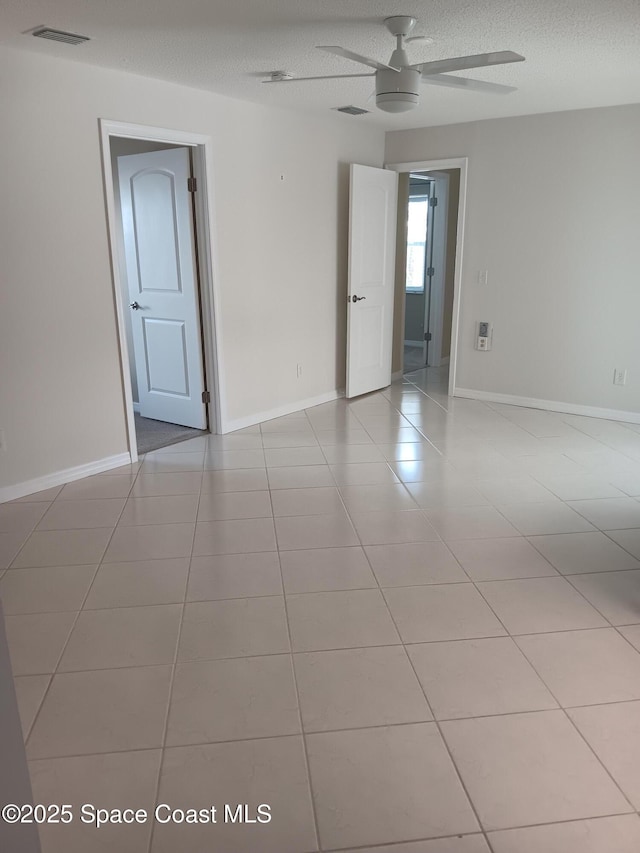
(202, 152)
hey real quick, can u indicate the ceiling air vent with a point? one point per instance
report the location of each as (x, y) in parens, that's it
(352, 111)
(58, 35)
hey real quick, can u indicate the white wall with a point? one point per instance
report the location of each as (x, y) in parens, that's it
(553, 214)
(282, 253)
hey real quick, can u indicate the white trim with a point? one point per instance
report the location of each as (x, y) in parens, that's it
(59, 478)
(136, 408)
(205, 228)
(437, 165)
(550, 405)
(427, 165)
(207, 234)
(280, 411)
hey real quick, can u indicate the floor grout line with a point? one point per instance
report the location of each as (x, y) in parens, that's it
(363, 418)
(66, 643)
(305, 745)
(567, 716)
(171, 682)
(437, 723)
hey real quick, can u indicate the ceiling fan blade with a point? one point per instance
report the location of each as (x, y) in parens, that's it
(460, 63)
(325, 77)
(467, 83)
(356, 57)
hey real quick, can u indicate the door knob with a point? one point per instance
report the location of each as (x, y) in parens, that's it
(134, 305)
(357, 298)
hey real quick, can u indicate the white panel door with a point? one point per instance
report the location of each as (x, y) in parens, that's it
(157, 221)
(372, 251)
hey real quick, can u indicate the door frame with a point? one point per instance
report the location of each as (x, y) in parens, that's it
(460, 163)
(202, 152)
(434, 305)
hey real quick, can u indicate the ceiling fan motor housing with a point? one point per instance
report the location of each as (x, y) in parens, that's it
(397, 91)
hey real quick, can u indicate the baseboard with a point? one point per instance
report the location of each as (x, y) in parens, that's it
(251, 420)
(398, 375)
(59, 478)
(136, 408)
(444, 361)
(414, 343)
(549, 405)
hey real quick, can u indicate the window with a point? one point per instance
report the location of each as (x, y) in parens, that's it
(416, 242)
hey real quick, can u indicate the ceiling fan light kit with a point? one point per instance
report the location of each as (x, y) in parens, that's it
(398, 82)
(397, 91)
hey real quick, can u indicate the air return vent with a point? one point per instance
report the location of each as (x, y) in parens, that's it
(351, 111)
(58, 35)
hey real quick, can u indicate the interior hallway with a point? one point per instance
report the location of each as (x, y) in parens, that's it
(397, 619)
(413, 358)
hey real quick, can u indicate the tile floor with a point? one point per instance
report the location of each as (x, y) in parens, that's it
(409, 624)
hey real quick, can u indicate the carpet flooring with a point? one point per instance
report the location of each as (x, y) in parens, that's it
(152, 435)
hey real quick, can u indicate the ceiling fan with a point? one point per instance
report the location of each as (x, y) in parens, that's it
(398, 83)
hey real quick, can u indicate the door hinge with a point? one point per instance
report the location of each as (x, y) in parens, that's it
(192, 185)
(433, 201)
(206, 396)
(431, 270)
(427, 336)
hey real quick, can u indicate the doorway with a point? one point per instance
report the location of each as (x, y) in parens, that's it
(147, 264)
(429, 239)
(431, 231)
(156, 191)
(419, 269)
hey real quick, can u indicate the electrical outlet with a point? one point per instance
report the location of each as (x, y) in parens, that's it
(483, 276)
(619, 376)
(3, 443)
(484, 335)
(298, 370)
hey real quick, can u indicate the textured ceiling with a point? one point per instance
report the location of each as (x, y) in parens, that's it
(579, 53)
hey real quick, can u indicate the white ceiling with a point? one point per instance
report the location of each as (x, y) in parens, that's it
(579, 53)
